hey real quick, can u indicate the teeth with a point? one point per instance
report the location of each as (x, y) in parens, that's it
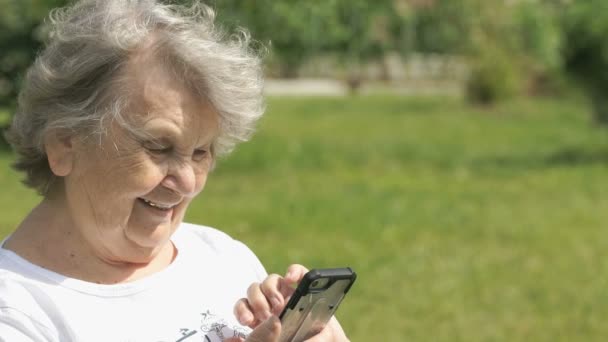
(156, 205)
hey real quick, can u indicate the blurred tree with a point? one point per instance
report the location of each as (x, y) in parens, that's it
(355, 31)
(490, 42)
(21, 35)
(443, 26)
(361, 32)
(512, 46)
(585, 50)
(539, 39)
(514, 49)
(290, 33)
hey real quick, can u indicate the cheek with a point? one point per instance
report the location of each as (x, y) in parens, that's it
(141, 174)
(131, 173)
(201, 180)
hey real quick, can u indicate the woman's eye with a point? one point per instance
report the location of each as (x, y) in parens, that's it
(160, 150)
(199, 154)
(157, 148)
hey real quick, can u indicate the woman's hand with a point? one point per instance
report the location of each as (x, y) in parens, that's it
(270, 331)
(268, 297)
(266, 300)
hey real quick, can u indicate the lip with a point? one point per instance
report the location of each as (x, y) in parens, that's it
(159, 213)
(158, 205)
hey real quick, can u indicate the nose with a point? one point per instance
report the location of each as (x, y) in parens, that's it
(181, 178)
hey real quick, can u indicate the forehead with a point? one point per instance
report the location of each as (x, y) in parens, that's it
(161, 102)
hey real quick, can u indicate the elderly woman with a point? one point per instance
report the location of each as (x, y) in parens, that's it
(120, 121)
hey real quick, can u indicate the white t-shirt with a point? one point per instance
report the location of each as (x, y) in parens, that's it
(191, 300)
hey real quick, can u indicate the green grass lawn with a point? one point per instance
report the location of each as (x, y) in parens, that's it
(4, 118)
(463, 224)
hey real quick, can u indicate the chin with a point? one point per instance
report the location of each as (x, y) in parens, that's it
(149, 239)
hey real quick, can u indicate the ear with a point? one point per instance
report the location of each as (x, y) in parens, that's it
(59, 148)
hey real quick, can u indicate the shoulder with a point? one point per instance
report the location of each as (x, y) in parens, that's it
(14, 291)
(209, 235)
(222, 245)
(21, 313)
(212, 238)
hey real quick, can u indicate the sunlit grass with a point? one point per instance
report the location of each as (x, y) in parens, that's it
(4, 117)
(464, 224)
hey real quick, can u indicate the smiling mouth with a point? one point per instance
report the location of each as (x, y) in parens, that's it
(156, 205)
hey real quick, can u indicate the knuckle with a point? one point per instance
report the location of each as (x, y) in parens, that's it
(253, 291)
(253, 287)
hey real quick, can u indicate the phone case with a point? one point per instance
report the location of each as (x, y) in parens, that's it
(314, 302)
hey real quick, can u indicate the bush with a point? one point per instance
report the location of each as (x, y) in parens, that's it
(585, 51)
(494, 77)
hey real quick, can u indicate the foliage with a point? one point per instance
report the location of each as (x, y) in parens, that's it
(291, 34)
(494, 52)
(538, 33)
(444, 27)
(540, 38)
(494, 77)
(353, 30)
(462, 226)
(537, 37)
(513, 46)
(21, 36)
(585, 50)
(514, 49)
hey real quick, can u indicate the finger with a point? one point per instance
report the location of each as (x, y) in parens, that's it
(326, 334)
(243, 312)
(332, 332)
(295, 273)
(269, 331)
(293, 276)
(271, 288)
(286, 289)
(258, 302)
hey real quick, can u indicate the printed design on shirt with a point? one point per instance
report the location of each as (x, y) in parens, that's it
(217, 329)
(212, 329)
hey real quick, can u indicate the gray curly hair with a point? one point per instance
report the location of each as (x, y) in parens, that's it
(72, 85)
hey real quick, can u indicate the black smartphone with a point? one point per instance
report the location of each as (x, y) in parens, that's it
(314, 302)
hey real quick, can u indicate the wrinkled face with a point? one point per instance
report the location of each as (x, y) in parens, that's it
(128, 193)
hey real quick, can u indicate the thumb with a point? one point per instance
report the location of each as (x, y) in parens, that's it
(269, 331)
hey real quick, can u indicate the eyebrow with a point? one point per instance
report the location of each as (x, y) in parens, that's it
(164, 135)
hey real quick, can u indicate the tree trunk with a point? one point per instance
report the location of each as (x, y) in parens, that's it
(354, 83)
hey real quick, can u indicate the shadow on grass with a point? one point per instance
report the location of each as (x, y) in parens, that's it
(574, 157)
(565, 157)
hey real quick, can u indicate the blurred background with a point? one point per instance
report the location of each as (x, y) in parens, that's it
(453, 152)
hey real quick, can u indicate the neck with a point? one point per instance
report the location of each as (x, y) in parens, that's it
(48, 238)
